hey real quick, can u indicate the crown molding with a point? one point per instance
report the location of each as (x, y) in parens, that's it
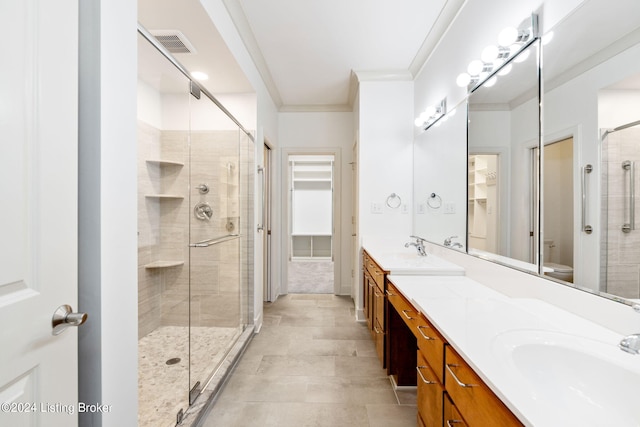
(443, 22)
(329, 108)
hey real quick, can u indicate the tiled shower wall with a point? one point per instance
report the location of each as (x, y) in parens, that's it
(622, 260)
(164, 229)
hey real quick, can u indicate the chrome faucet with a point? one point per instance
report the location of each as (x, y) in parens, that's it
(419, 244)
(631, 343)
(448, 242)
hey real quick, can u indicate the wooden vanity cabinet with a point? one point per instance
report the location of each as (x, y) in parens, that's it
(476, 402)
(449, 391)
(374, 298)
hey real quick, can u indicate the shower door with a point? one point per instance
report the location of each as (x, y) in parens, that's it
(621, 209)
(215, 240)
(163, 218)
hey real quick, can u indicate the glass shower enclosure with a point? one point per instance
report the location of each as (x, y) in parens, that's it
(620, 208)
(195, 175)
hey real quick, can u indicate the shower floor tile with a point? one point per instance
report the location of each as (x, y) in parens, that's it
(163, 368)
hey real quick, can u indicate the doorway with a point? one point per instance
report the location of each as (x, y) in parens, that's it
(312, 212)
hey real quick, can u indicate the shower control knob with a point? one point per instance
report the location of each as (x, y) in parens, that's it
(203, 188)
(64, 317)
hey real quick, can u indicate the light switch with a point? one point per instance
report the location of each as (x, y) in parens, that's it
(421, 208)
(376, 208)
(404, 208)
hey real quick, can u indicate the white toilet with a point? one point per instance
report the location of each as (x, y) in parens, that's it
(559, 271)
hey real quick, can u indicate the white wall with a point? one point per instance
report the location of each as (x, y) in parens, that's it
(385, 164)
(108, 344)
(315, 131)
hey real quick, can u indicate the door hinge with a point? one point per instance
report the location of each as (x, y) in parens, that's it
(194, 393)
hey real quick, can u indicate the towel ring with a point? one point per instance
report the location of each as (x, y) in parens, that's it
(438, 201)
(394, 201)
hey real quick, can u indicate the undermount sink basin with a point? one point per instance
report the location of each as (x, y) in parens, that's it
(409, 262)
(593, 383)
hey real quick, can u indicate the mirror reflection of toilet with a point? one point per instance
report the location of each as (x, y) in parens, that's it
(555, 270)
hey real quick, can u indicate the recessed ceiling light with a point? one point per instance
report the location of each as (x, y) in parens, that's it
(200, 76)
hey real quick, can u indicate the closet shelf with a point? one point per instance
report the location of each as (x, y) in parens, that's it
(164, 162)
(163, 264)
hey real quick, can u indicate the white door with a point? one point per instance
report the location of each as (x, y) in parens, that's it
(38, 211)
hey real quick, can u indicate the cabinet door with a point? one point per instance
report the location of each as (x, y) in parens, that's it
(430, 394)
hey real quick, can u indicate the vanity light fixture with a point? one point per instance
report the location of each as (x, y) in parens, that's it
(497, 59)
(431, 115)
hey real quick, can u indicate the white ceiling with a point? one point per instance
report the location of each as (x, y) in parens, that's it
(306, 51)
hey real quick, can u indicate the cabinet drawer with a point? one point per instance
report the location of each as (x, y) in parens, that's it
(374, 270)
(452, 417)
(430, 394)
(404, 309)
(475, 401)
(431, 343)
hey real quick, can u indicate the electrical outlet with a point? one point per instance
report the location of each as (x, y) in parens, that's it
(449, 207)
(376, 208)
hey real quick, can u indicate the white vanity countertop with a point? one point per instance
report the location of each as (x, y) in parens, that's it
(493, 333)
(394, 257)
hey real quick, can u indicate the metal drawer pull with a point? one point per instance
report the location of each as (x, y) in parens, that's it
(423, 335)
(449, 422)
(405, 314)
(375, 292)
(377, 331)
(424, 380)
(460, 383)
(389, 293)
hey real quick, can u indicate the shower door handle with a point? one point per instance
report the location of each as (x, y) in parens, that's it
(630, 166)
(585, 227)
(262, 199)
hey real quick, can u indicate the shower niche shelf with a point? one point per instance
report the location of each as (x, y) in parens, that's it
(164, 196)
(163, 264)
(157, 162)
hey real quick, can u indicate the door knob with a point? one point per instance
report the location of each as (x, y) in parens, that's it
(64, 317)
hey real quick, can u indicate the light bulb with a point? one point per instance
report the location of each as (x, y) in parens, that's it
(475, 67)
(430, 111)
(424, 116)
(419, 122)
(546, 39)
(522, 57)
(508, 36)
(463, 79)
(489, 54)
(505, 70)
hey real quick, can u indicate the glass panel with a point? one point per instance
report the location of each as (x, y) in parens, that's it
(163, 279)
(504, 136)
(215, 227)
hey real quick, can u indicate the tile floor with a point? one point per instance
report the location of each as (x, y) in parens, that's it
(311, 364)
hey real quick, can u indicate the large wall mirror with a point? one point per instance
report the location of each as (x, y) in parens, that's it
(590, 233)
(439, 180)
(503, 167)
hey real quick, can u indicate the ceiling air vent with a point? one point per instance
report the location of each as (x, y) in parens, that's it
(174, 41)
